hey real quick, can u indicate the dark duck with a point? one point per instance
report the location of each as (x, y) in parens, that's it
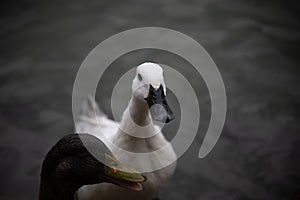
(69, 165)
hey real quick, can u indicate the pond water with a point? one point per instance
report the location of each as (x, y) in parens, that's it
(255, 44)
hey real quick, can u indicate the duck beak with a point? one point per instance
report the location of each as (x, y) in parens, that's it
(117, 173)
(159, 108)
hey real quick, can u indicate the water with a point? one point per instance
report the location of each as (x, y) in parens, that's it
(255, 45)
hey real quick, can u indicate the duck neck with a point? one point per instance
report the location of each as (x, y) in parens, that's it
(136, 119)
(52, 194)
(139, 111)
(50, 191)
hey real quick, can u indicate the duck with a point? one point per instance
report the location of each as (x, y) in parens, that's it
(69, 165)
(137, 132)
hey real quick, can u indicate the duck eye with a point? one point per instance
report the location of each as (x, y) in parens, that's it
(140, 77)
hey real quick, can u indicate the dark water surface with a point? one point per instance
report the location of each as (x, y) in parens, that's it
(254, 43)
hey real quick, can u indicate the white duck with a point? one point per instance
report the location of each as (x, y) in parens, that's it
(135, 133)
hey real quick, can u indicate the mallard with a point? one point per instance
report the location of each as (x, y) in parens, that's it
(69, 165)
(135, 133)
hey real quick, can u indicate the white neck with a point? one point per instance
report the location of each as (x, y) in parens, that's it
(136, 120)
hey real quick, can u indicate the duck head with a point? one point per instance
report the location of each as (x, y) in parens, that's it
(149, 85)
(69, 165)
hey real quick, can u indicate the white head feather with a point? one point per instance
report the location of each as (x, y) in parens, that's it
(146, 74)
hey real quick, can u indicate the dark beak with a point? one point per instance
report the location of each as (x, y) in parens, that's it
(159, 108)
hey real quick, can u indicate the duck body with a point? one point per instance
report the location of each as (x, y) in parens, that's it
(135, 133)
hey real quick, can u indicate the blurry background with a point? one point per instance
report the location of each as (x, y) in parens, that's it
(255, 44)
